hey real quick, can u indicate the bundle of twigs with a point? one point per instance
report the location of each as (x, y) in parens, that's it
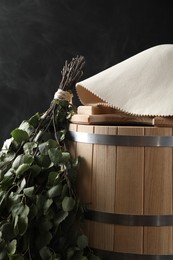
(40, 213)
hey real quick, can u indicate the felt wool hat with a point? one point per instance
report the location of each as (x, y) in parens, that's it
(141, 85)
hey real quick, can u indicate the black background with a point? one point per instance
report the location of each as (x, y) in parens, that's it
(37, 36)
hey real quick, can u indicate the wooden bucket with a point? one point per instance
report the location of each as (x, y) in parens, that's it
(125, 179)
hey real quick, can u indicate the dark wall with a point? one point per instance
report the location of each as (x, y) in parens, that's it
(37, 36)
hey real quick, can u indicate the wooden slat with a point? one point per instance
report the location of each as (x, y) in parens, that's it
(85, 174)
(158, 175)
(110, 119)
(158, 240)
(163, 121)
(95, 114)
(95, 110)
(158, 193)
(129, 192)
(85, 170)
(103, 179)
(129, 179)
(128, 239)
(103, 189)
(101, 235)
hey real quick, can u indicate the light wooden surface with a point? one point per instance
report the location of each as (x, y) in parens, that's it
(128, 180)
(100, 114)
(111, 119)
(129, 191)
(95, 110)
(158, 193)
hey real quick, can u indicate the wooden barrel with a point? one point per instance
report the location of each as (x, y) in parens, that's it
(126, 180)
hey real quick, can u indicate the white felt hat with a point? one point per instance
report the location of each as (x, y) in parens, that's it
(140, 85)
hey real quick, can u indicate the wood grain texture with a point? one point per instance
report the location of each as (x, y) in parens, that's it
(158, 240)
(104, 170)
(111, 119)
(85, 151)
(103, 189)
(127, 180)
(129, 192)
(95, 110)
(158, 193)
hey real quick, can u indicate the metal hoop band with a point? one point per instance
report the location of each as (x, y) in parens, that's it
(130, 220)
(109, 255)
(122, 140)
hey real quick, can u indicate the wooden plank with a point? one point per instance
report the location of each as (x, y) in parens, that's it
(97, 109)
(129, 178)
(158, 175)
(163, 121)
(85, 151)
(128, 239)
(158, 193)
(104, 167)
(101, 235)
(129, 192)
(85, 174)
(103, 189)
(110, 119)
(158, 240)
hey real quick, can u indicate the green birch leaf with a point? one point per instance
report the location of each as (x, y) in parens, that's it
(70, 252)
(22, 224)
(7, 144)
(82, 242)
(25, 211)
(29, 191)
(21, 169)
(2, 198)
(45, 253)
(54, 191)
(16, 229)
(43, 161)
(65, 157)
(9, 156)
(7, 231)
(20, 135)
(68, 203)
(26, 127)
(22, 158)
(22, 184)
(34, 120)
(60, 216)
(53, 178)
(20, 209)
(52, 143)
(35, 169)
(7, 180)
(43, 148)
(29, 147)
(47, 205)
(11, 248)
(55, 155)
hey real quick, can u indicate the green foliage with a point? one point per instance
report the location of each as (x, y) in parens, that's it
(40, 213)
